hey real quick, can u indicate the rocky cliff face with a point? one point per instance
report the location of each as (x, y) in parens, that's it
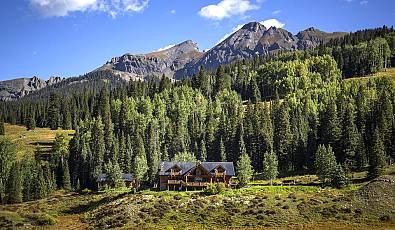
(137, 67)
(17, 88)
(252, 40)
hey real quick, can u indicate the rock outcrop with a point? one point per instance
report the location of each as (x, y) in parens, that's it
(20, 87)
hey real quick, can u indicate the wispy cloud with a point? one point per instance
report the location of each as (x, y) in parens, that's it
(226, 9)
(173, 11)
(272, 23)
(61, 8)
(276, 12)
(364, 3)
(166, 47)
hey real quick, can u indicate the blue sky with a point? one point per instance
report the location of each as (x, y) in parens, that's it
(71, 37)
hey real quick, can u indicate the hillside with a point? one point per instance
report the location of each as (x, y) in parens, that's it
(29, 141)
(266, 207)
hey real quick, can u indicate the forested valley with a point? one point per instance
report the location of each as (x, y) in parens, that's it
(289, 113)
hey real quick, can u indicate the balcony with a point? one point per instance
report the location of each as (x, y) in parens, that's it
(197, 184)
(174, 181)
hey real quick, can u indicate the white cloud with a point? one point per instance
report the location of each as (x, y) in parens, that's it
(272, 23)
(173, 11)
(60, 8)
(166, 47)
(364, 3)
(276, 12)
(227, 9)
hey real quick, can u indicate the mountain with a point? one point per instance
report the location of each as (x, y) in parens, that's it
(168, 61)
(185, 59)
(20, 87)
(252, 40)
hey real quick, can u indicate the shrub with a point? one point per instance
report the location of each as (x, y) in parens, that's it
(41, 219)
(215, 188)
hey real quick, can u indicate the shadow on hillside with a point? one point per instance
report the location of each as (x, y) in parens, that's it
(81, 208)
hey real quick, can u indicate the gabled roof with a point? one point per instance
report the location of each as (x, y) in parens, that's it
(125, 177)
(164, 167)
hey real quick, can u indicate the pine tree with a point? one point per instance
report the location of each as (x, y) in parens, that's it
(255, 94)
(98, 144)
(7, 159)
(2, 128)
(140, 165)
(14, 186)
(54, 111)
(184, 157)
(330, 127)
(339, 179)
(203, 151)
(66, 176)
(325, 163)
(270, 166)
(114, 175)
(376, 156)
(153, 153)
(40, 187)
(222, 80)
(349, 138)
(128, 164)
(244, 169)
(222, 153)
(282, 136)
(31, 122)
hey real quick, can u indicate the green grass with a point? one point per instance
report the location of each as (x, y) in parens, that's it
(389, 73)
(28, 141)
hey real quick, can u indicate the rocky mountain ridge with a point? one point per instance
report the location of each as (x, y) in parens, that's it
(20, 87)
(185, 59)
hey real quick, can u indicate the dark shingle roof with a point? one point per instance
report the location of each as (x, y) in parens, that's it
(164, 167)
(125, 177)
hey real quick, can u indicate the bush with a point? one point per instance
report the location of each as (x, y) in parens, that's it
(41, 219)
(215, 188)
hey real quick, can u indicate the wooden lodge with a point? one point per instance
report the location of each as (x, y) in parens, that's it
(127, 178)
(194, 175)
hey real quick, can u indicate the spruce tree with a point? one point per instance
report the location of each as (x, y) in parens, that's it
(98, 145)
(54, 111)
(222, 152)
(153, 153)
(14, 185)
(184, 157)
(270, 166)
(325, 163)
(349, 139)
(339, 179)
(7, 159)
(203, 151)
(244, 169)
(114, 174)
(376, 156)
(66, 176)
(2, 128)
(128, 164)
(330, 127)
(40, 186)
(31, 122)
(282, 136)
(140, 165)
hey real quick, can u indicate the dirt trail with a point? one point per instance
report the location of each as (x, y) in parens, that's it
(70, 222)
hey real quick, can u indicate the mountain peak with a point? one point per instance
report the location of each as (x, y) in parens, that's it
(312, 29)
(253, 26)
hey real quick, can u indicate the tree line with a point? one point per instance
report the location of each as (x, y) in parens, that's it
(292, 114)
